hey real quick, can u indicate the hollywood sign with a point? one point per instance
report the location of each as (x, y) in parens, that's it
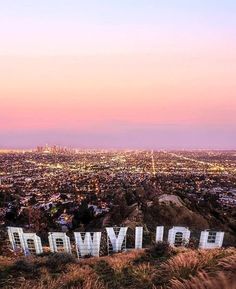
(88, 243)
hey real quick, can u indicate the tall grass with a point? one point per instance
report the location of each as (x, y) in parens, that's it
(188, 263)
(205, 281)
(182, 269)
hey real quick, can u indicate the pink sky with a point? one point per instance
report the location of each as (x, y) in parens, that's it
(88, 77)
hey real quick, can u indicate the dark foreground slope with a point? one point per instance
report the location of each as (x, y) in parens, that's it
(158, 267)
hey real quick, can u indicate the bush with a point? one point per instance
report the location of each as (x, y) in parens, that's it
(160, 249)
(24, 265)
(57, 260)
(105, 272)
(158, 253)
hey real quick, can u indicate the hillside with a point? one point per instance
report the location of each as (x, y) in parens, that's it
(168, 210)
(160, 267)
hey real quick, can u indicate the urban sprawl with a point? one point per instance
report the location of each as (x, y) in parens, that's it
(52, 189)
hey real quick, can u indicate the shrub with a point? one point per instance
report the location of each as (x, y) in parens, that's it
(105, 272)
(160, 249)
(24, 265)
(57, 260)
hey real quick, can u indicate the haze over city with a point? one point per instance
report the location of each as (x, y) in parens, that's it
(118, 74)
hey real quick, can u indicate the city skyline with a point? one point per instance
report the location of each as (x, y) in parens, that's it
(127, 74)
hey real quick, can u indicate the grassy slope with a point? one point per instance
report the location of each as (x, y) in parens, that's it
(159, 267)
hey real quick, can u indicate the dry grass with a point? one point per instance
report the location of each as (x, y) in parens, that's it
(76, 277)
(205, 281)
(184, 269)
(188, 263)
(209, 269)
(5, 261)
(144, 274)
(119, 261)
(229, 263)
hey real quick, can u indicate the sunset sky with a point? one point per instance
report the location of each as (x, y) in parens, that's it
(118, 73)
